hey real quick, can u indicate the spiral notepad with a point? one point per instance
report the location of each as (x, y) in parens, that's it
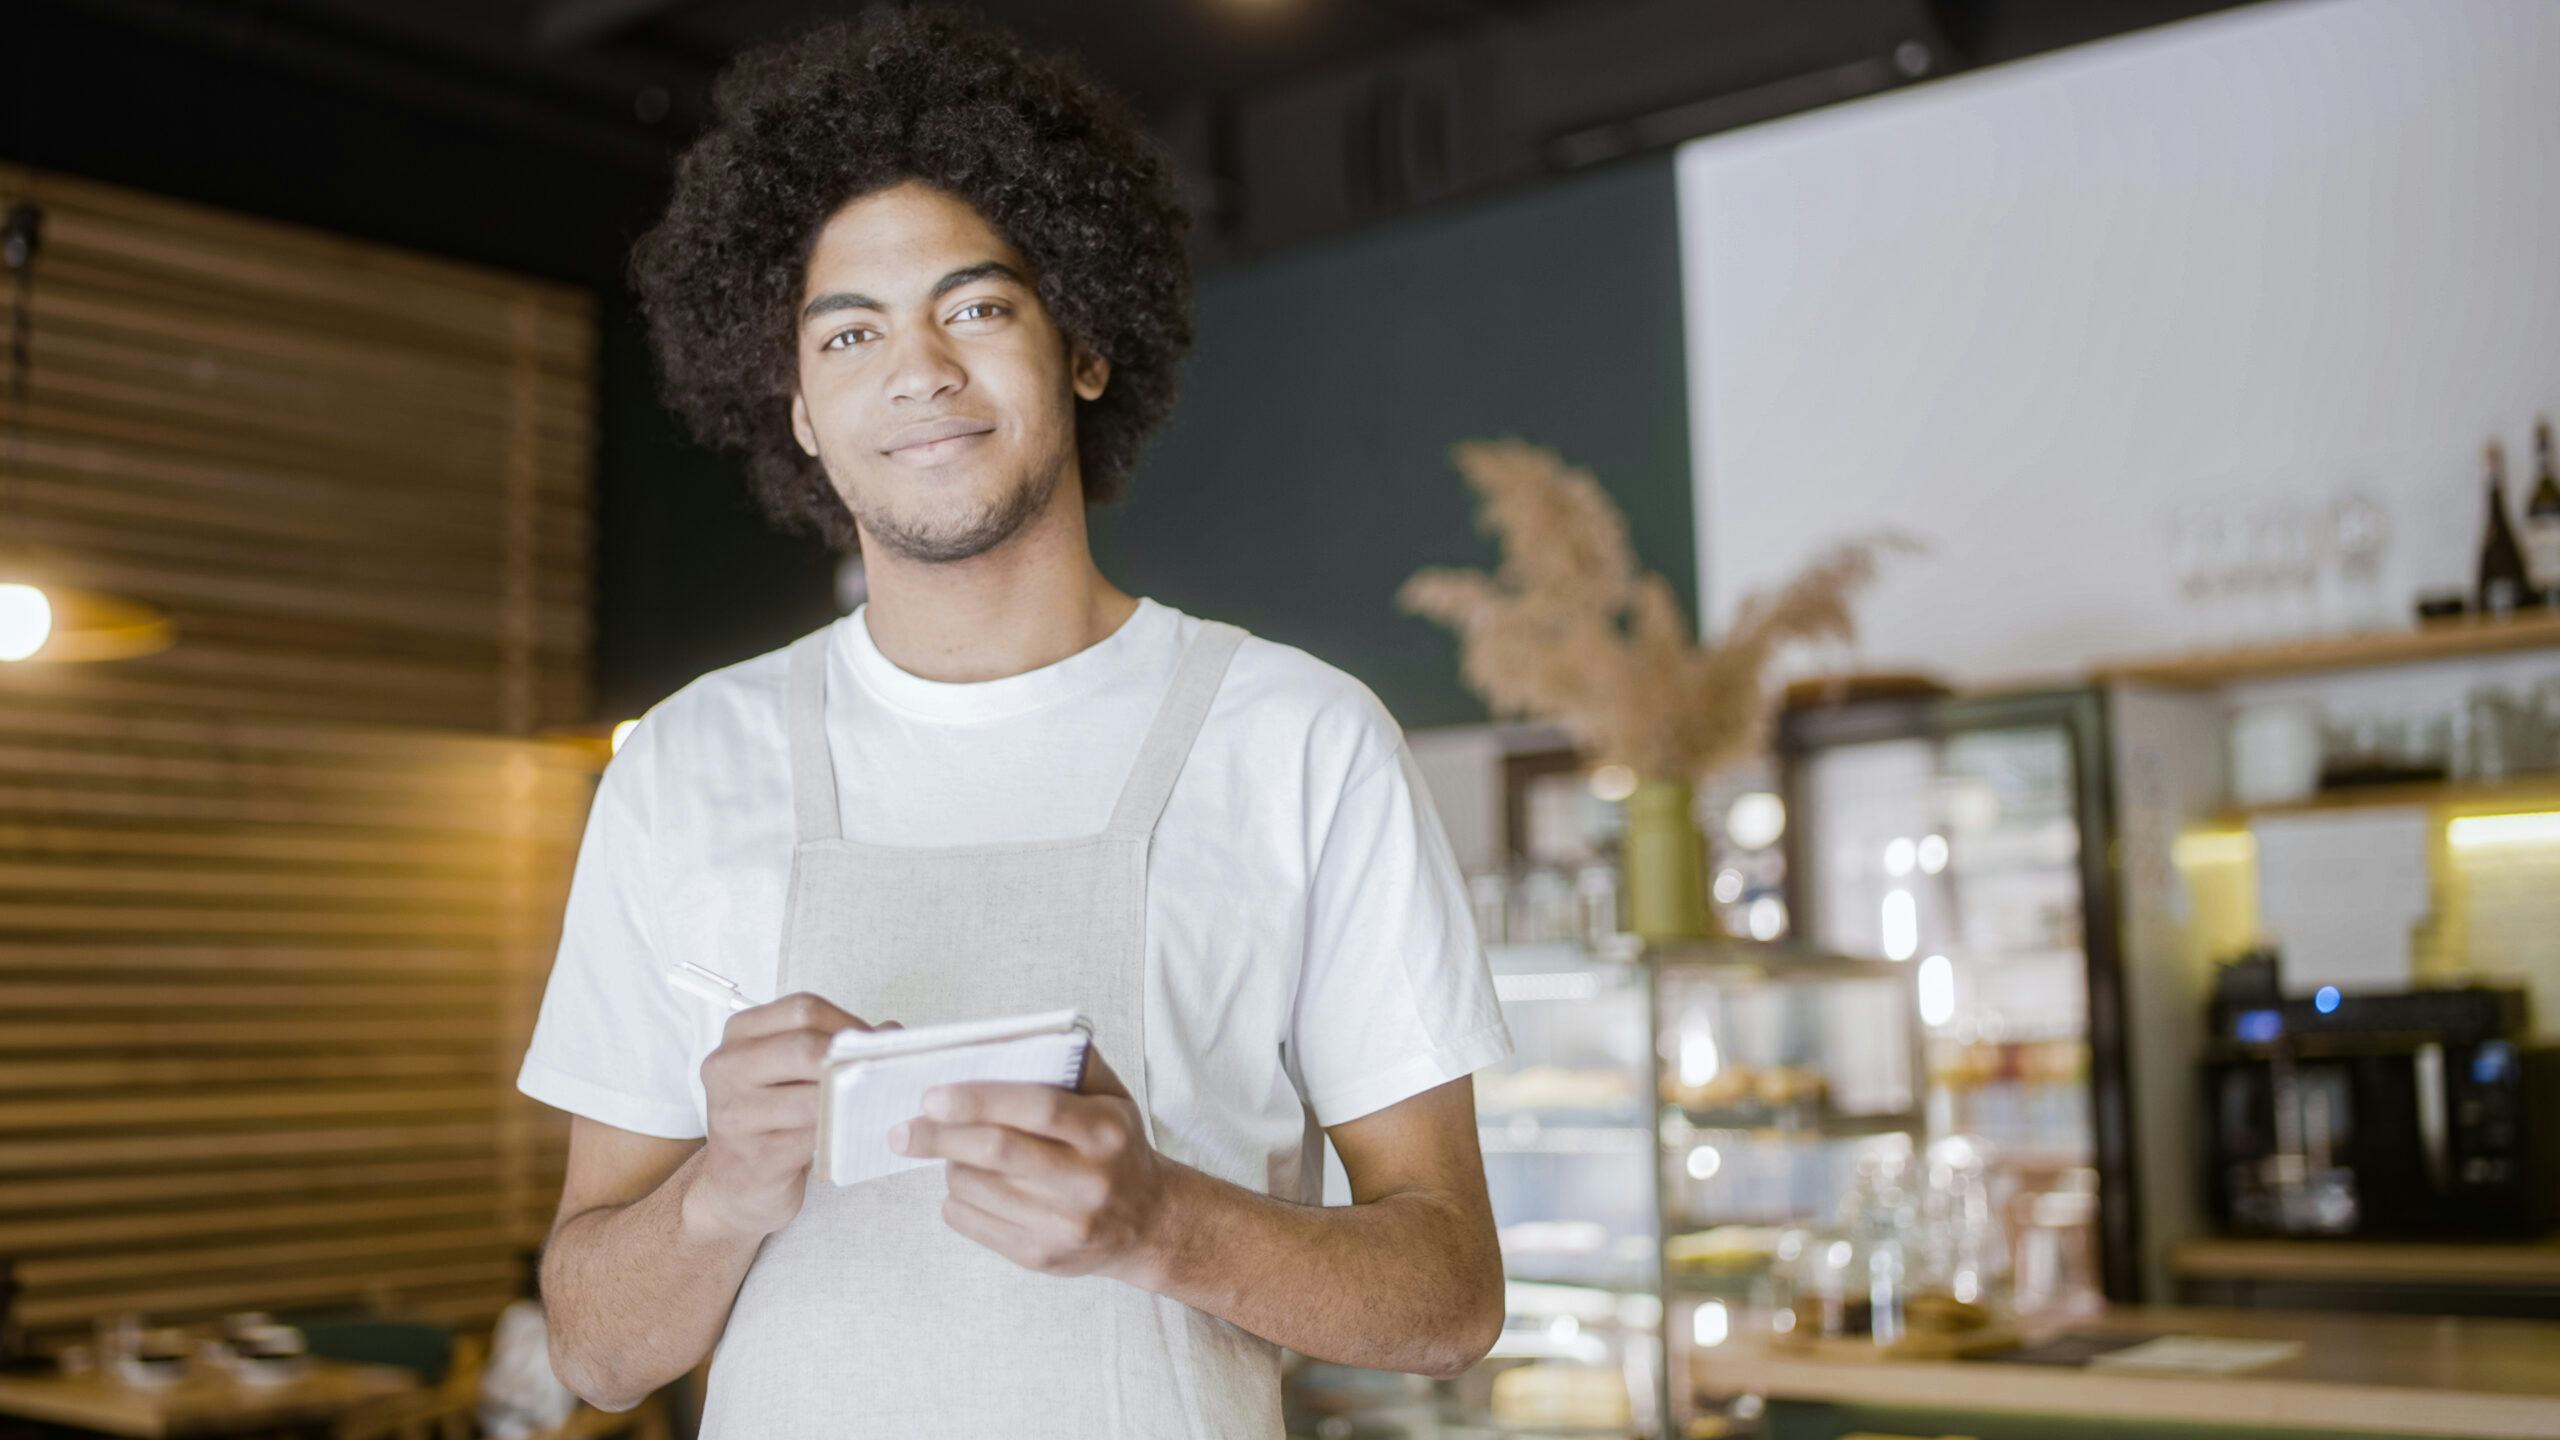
(874, 1079)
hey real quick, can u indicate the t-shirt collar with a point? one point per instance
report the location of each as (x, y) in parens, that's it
(1112, 659)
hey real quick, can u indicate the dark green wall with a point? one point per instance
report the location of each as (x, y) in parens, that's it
(1306, 473)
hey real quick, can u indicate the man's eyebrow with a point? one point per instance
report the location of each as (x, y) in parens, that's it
(846, 300)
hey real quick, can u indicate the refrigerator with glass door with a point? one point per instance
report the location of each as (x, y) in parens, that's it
(1970, 837)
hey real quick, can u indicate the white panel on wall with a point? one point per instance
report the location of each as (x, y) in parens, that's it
(2034, 312)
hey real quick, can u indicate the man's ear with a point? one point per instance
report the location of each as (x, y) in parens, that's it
(1088, 371)
(801, 429)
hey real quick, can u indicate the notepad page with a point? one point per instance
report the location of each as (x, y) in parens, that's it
(866, 1097)
(855, 1044)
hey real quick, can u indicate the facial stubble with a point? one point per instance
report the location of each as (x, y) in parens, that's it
(975, 535)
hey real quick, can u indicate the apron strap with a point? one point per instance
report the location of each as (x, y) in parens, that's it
(1177, 724)
(813, 770)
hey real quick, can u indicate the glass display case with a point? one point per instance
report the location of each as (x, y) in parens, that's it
(1782, 1069)
(1566, 1130)
(1667, 1113)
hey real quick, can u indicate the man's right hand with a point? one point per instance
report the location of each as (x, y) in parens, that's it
(761, 1091)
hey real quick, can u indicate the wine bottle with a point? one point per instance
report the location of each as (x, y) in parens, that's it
(2542, 518)
(2503, 588)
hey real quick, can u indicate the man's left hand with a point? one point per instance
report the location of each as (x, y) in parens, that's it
(1055, 1180)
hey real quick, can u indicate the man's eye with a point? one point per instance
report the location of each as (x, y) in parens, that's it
(977, 305)
(840, 335)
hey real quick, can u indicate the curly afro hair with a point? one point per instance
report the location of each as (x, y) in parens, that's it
(1055, 163)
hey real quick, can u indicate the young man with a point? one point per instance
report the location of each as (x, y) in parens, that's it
(935, 289)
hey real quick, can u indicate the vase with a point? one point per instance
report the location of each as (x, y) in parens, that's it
(1666, 865)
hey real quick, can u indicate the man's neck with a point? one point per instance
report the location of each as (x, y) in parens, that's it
(998, 615)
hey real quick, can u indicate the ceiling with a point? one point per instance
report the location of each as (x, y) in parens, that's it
(644, 67)
(630, 79)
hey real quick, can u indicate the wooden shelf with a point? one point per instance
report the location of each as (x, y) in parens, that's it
(2440, 640)
(1781, 1124)
(1768, 960)
(1710, 958)
(2446, 1262)
(2539, 791)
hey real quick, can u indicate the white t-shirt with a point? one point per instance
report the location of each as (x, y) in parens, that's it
(1310, 946)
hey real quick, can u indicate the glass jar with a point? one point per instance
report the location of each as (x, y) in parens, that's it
(1489, 897)
(1826, 1299)
(1595, 893)
(1960, 1226)
(1544, 910)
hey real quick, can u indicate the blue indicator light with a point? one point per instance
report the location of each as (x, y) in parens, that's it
(2258, 1027)
(2325, 1000)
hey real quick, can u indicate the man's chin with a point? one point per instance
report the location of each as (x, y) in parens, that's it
(941, 536)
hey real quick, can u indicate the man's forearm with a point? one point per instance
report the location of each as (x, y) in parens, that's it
(1394, 1284)
(636, 1295)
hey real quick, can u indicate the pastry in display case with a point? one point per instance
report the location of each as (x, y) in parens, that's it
(1556, 1088)
(1720, 1250)
(1543, 1393)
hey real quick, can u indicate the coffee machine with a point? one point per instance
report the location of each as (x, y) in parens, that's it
(2420, 1113)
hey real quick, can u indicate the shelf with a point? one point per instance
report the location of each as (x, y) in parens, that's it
(1571, 972)
(1966, 957)
(1737, 1283)
(2478, 1262)
(1767, 1125)
(1457, 1422)
(1571, 984)
(1560, 956)
(1565, 1140)
(2537, 791)
(1614, 1117)
(1759, 960)
(1598, 1280)
(1708, 1219)
(2440, 640)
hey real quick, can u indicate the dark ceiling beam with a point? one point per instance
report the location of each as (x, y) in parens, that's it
(573, 24)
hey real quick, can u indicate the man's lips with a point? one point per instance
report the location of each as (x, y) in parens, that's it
(934, 452)
(928, 434)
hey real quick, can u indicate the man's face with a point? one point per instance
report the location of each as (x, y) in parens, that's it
(934, 387)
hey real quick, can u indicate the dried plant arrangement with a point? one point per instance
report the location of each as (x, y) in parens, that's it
(1568, 631)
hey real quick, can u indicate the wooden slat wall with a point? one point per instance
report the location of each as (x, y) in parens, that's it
(276, 905)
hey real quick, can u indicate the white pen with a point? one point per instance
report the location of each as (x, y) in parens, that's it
(710, 985)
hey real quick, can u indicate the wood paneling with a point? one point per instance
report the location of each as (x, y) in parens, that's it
(276, 904)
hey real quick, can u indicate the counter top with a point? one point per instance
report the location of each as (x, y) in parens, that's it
(2446, 1262)
(202, 1403)
(2373, 1374)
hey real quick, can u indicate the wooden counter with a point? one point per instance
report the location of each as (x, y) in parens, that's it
(2357, 1374)
(2442, 1262)
(2517, 1280)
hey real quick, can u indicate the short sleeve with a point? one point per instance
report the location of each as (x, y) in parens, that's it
(613, 1041)
(1394, 995)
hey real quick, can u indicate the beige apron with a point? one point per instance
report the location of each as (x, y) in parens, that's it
(867, 1315)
